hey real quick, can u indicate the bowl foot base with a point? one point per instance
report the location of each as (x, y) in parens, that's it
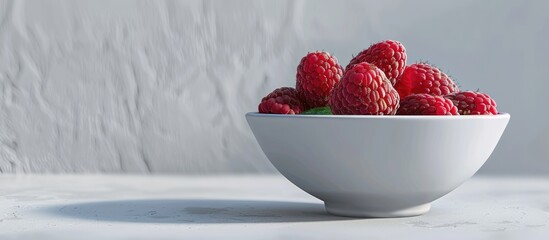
(342, 210)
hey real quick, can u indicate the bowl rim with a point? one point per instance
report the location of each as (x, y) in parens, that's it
(501, 115)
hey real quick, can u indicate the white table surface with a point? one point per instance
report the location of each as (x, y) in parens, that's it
(252, 207)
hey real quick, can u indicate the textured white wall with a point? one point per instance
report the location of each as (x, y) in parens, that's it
(162, 86)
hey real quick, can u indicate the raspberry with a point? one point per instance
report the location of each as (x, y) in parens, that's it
(317, 73)
(364, 89)
(284, 100)
(424, 78)
(389, 56)
(473, 103)
(425, 104)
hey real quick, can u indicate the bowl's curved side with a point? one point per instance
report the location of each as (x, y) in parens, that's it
(379, 164)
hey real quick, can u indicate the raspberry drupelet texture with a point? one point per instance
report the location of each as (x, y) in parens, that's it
(389, 56)
(424, 78)
(284, 100)
(426, 104)
(364, 90)
(473, 103)
(317, 74)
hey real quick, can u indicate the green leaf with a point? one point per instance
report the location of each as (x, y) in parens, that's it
(318, 111)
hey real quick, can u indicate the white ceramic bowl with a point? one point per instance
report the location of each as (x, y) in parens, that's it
(377, 166)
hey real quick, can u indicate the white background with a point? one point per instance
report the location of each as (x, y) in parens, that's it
(163, 86)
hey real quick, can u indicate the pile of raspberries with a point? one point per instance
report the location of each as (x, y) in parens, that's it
(376, 82)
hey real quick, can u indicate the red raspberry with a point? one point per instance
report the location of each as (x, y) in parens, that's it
(364, 89)
(317, 73)
(284, 100)
(425, 104)
(424, 78)
(473, 103)
(389, 56)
